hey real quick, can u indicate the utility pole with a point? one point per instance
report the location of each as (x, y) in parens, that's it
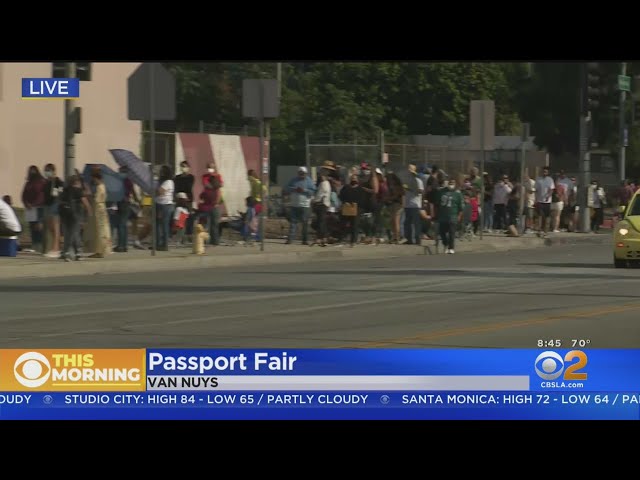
(69, 127)
(279, 78)
(590, 92)
(523, 188)
(623, 127)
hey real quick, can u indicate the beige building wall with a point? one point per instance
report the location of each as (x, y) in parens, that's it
(31, 131)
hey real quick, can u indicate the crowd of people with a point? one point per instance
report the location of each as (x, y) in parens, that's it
(374, 205)
(370, 205)
(360, 205)
(71, 216)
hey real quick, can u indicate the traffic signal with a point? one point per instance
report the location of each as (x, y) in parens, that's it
(592, 87)
(83, 70)
(59, 70)
(636, 111)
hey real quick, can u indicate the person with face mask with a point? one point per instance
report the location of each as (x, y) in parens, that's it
(124, 211)
(184, 183)
(544, 190)
(52, 190)
(100, 219)
(73, 204)
(300, 189)
(596, 201)
(412, 206)
(449, 210)
(33, 201)
(212, 174)
(352, 197)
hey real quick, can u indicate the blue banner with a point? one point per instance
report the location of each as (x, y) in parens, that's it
(542, 384)
(540, 370)
(68, 88)
(321, 406)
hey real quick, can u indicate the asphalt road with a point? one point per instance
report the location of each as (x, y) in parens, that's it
(493, 300)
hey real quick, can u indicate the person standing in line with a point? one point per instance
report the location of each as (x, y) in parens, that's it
(33, 201)
(73, 205)
(529, 203)
(100, 220)
(351, 196)
(501, 192)
(321, 204)
(412, 206)
(52, 190)
(165, 206)
(394, 203)
(300, 189)
(124, 211)
(449, 210)
(598, 201)
(544, 189)
(487, 205)
(184, 183)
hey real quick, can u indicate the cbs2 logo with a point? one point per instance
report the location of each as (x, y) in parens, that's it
(550, 365)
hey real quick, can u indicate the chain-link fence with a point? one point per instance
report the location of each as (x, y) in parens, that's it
(397, 152)
(343, 149)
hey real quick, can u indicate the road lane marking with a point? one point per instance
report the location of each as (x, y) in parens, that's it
(494, 327)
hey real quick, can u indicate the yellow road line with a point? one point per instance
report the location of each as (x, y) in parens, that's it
(494, 327)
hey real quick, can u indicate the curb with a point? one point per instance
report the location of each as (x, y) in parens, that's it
(602, 239)
(188, 262)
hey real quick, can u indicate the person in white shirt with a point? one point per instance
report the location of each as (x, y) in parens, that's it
(596, 201)
(9, 223)
(322, 202)
(530, 202)
(165, 206)
(501, 192)
(181, 216)
(544, 188)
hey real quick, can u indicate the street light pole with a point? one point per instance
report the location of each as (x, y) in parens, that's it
(623, 98)
(69, 127)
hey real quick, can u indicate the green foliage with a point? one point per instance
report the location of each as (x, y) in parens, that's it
(402, 99)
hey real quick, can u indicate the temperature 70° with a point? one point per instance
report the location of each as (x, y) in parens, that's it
(580, 342)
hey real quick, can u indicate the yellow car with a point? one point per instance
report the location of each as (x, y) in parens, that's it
(626, 235)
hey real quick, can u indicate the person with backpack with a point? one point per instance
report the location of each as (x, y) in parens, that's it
(72, 202)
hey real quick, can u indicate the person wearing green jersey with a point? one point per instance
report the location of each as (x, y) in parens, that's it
(450, 206)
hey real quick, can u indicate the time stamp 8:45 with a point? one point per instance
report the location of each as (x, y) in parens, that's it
(556, 343)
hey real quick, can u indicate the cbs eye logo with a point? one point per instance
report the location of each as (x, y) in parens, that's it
(550, 365)
(32, 369)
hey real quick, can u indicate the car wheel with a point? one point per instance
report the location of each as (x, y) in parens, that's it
(619, 263)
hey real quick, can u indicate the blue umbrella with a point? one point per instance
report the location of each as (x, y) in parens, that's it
(138, 170)
(113, 181)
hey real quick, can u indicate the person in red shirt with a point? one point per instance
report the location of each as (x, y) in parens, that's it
(211, 173)
(209, 210)
(475, 210)
(33, 197)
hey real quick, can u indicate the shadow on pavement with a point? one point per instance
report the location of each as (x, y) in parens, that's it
(607, 266)
(460, 273)
(254, 289)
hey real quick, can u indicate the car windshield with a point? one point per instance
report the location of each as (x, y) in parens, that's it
(635, 207)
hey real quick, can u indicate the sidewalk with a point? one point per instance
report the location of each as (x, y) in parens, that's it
(276, 252)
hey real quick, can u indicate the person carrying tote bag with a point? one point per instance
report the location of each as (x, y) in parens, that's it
(351, 198)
